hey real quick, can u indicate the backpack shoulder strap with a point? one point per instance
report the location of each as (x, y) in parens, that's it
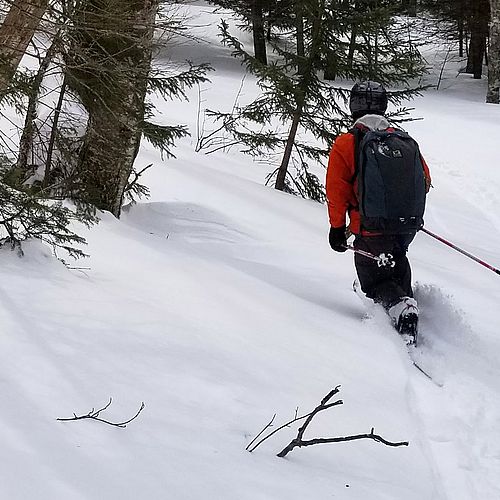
(358, 134)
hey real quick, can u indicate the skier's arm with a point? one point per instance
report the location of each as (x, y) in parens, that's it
(339, 180)
(427, 175)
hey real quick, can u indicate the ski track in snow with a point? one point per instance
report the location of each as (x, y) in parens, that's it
(469, 417)
(458, 410)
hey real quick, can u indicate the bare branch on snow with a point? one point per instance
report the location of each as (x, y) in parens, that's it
(94, 415)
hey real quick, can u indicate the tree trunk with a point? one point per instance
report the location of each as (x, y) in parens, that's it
(494, 55)
(330, 71)
(282, 171)
(479, 33)
(411, 6)
(460, 37)
(352, 46)
(299, 30)
(53, 136)
(259, 34)
(17, 30)
(21, 170)
(302, 91)
(109, 74)
(477, 47)
(301, 70)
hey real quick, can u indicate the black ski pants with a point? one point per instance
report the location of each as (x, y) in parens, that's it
(385, 284)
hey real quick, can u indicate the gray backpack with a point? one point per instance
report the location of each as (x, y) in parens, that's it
(391, 181)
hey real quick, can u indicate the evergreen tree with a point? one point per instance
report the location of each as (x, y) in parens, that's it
(453, 18)
(295, 95)
(24, 215)
(252, 13)
(97, 55)
(264, 18)
(101, 54)
(24, 212)
(107, 67)
(465, 22)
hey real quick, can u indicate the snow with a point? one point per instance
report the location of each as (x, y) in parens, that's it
(218, 303)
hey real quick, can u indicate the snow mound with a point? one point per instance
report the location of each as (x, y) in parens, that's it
(187, 222)
(447, 343)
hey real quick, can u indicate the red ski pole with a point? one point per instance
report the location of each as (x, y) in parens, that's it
(458, 249)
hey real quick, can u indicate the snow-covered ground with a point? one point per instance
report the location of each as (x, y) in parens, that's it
(218, 303)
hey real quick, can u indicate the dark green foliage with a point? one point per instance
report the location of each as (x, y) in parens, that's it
(458, 21)
(170, 85)
(303, 183)
(100, 57)
(134, 189)
(173, 86)
(19, 87)
(298, 111)
(24, 215)
(109, 68)
(102, 46)
(163, 137)
(451, 10)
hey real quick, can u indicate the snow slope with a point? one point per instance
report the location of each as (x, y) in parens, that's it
(218, 303)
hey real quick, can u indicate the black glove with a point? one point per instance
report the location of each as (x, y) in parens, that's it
(337, 239)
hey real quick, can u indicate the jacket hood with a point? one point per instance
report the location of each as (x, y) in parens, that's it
(373, 122)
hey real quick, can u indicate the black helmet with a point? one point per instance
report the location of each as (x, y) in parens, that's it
(367, 98)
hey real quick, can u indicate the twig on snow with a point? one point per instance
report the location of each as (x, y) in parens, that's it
(323, 406)
(300, 442)
(94, 415)
(270, 424)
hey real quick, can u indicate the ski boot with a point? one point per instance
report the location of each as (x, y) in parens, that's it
(404, 315)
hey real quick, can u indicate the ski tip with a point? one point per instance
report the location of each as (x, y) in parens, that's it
(427, 375)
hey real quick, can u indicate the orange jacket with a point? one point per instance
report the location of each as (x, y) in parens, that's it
(341, 184)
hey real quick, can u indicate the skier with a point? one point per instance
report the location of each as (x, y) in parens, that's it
(390, 227)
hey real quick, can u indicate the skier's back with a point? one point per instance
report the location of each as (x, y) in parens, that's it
(384, 210)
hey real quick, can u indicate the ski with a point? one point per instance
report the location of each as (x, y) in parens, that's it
(410, 340)
(423, 372)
